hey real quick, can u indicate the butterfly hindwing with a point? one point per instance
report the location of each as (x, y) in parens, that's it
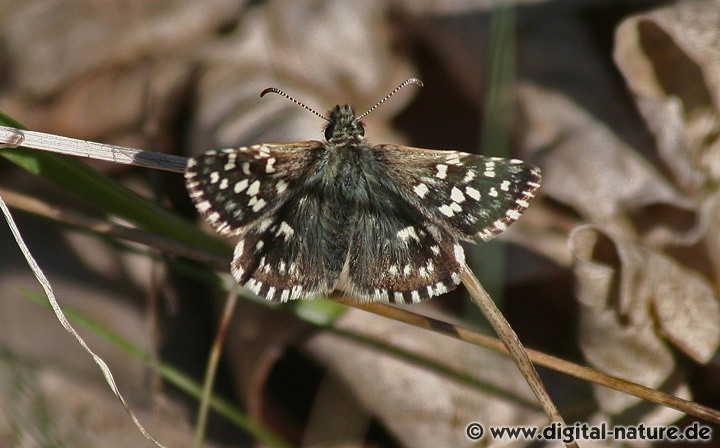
(396, 254)
(477, 197)
(297, 252)
(233, 187)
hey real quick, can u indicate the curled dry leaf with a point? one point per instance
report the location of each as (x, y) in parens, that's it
(636, 299)
(633, 299)
(669, 58)
(589, 168)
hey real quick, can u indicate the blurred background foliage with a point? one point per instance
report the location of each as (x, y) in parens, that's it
(615, 266)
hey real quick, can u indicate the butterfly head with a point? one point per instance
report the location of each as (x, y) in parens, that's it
(343, 126)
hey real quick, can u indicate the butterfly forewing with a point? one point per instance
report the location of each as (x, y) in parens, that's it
(233, 187)
(476, 197)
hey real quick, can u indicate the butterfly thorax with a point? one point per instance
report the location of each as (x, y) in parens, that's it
(347, 159)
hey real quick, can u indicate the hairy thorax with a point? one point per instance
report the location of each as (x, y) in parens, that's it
(347, 161)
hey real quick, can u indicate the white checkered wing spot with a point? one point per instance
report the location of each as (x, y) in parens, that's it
(231, 188)
(475, 197)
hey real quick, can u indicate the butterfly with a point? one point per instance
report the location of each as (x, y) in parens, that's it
(380, 223)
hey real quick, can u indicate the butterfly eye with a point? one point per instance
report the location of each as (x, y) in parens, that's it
(329, 130)
(360, 128)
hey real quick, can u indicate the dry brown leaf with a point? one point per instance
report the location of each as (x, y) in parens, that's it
(636, 300)
(629, 292)
(50, 392)
(90, 69)
(585, 165)
(43, 406)
(53, 42)
(669, 58)
(710, 229)
(421, 407)
(312, 41)
(256, 339)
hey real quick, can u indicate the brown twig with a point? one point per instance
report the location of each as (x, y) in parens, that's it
(33, 205)
(512, 343)
(541, 359)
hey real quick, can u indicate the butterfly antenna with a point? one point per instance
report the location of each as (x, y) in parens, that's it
(281, 93)
(406, 82)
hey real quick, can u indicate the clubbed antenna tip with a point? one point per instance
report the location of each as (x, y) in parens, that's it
(281, 93)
